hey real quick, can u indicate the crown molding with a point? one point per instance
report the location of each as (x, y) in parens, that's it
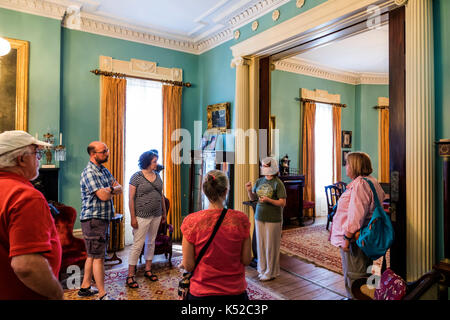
(308, 68)
(110, 27)
(42, 8)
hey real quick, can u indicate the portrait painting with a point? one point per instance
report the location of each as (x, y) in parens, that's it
(219, 116)
(346, 139)
(14, 87)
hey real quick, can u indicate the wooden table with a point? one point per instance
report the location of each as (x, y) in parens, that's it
(115, 236)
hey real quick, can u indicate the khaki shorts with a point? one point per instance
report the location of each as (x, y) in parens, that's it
(96, 235)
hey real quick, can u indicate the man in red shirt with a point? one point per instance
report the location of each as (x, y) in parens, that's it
(30, 250)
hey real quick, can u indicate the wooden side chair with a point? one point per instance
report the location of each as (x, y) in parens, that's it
(332, 193)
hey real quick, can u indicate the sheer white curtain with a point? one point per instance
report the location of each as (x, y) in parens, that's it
(143, 131)
(323, 155)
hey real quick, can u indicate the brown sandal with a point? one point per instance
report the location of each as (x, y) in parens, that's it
(133, 284)
(152, 277)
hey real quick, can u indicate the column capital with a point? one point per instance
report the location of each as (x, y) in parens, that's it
(239, 61)
(401, 2)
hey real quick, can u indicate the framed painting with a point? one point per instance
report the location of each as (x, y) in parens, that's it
(14, 87)
(272, 126)
(346, 139)
(219, 116)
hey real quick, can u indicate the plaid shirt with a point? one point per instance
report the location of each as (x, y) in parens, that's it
(94, 178)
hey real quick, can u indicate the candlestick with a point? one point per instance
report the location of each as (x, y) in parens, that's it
(60, 138)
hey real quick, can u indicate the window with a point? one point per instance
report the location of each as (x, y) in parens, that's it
(143, 132)
(323, 155)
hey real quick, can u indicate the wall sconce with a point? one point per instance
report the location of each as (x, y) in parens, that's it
(5, 47)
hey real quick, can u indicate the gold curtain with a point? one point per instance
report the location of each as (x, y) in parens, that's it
(172, 180)
(112, 132)
(309, 117)
(337, 160)
(383, 145)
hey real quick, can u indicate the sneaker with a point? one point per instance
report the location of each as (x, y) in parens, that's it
(105, 297)
(87, 292)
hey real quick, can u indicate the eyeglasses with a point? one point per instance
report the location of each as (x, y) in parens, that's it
(38, 154)
(103, 152)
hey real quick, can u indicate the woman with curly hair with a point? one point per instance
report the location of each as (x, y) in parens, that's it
(147, 210)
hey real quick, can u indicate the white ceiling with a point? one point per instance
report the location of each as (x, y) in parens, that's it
(367, 52)
(177, 19)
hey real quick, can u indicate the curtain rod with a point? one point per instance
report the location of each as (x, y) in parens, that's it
(310, 100)
(381, 107)
(123, 75)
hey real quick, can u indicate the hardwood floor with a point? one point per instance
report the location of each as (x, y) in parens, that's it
(298, 280)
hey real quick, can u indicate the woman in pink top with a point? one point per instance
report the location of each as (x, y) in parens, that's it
(221, 272)
(355, 208)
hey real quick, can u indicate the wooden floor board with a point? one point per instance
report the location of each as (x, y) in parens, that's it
(298, 280)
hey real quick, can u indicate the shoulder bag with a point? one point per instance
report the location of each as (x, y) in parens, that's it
(377, 237)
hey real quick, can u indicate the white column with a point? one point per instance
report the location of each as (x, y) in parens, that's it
(242, 117)
(420, 153)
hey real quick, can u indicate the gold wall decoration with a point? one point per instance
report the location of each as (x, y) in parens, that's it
(14, 87)
(219, 116)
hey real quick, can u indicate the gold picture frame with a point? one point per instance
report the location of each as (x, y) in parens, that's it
(219, 117)
(20, 49)
(271, 137)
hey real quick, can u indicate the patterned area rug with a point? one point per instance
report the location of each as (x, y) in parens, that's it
(163, 289)
(311, 244)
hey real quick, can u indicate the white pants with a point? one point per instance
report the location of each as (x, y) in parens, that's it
(268, 240)
(147, 229)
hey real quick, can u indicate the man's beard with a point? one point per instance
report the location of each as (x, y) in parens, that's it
(100, 161)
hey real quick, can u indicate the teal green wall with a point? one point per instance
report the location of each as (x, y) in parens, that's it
(441, 13)
(217, 79)
(81, 99)
(366, 121)
(285, 88)
(359, 117)
(44, 36)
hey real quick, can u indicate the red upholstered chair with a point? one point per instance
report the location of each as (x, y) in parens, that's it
(163, 241)
(310, 205)
(73, 249)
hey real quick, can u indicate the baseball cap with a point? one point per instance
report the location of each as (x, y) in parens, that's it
(15, 139)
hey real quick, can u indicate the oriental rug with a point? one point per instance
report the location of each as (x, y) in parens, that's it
(166, 288)
(312, 245)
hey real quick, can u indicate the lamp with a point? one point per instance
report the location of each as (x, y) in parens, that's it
(5, 47)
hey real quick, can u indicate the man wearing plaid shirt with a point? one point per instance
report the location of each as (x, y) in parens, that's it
(98, 186)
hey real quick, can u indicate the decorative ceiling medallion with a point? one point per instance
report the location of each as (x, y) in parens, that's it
(275, 15)
(400, 2)
(300, 3)
(255, 25)
(237, 34)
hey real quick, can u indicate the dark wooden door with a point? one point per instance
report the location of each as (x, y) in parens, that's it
(397, 137)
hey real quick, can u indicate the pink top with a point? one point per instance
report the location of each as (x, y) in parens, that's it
(220, 272)
(355, 208)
